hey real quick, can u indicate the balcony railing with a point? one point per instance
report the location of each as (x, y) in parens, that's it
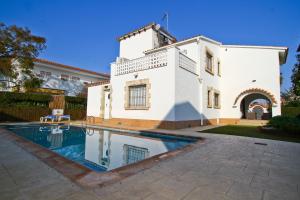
(150, 61)
(187, 63)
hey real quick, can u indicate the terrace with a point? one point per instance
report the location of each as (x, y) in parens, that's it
(214, 170)
(163, 58)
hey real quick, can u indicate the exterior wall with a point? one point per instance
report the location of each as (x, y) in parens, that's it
(95, 101)
(162, 92)
(241, 66)
(133, 47)
(71, 87)
(178, 94)
(187, 91)
(212, 81)
(56, 72)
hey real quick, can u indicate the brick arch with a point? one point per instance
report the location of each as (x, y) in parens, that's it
(266, 93)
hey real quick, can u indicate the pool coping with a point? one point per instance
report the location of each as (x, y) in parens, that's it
(86, 177)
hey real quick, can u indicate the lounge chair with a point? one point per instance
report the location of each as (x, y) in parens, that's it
(62, 117)
(45, 118)
(57, 115)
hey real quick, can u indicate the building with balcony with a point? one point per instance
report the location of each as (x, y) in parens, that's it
(159, 82)
(68, 79)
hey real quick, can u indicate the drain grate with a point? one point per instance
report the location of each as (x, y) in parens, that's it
(259, 143)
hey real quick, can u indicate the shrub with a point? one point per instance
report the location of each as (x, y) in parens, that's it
(8, 99)
(285, 123)
(24, 113)
(294, 103)
(75, 102)
(290, 111)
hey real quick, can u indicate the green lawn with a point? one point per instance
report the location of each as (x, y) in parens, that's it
(251, 131)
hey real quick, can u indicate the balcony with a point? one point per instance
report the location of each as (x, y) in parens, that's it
(155, 60)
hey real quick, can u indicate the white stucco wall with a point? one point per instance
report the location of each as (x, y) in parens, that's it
(71, 87)
(177, 94)
(134, 46)
(240, 67)
(162, 92)
(187, 96)
(94, 101)
(209, 80)
(57, 71)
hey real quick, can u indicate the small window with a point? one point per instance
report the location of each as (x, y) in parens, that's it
(137, 96)
(44, 74)
(209, 100)
(209, 62)
(75, 78)
(216, 100)
(134, 154)
(219, 68)
(64, 77)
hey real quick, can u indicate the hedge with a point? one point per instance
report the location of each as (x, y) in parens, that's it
(75, 102)
(30, 107)
(8, 99)
(290, 111)
(76, 114)
(22, 114)
(287, 124)
(16, 113)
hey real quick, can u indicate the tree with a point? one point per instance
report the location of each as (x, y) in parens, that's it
(296, 76)
(17, 44)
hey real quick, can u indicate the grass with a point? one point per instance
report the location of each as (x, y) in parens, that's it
(252, 131)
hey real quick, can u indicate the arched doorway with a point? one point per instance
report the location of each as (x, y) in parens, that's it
(256, 106)
(256, 103)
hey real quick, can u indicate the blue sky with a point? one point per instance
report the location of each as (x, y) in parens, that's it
(83, 33)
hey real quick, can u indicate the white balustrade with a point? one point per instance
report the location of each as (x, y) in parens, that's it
(151, 61)
(187, 63)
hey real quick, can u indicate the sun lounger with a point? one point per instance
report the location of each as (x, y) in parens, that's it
(62, 117)
(50, 117)
(57, 115)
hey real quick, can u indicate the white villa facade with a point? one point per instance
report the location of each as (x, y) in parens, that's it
(158, 82)
(72, 80)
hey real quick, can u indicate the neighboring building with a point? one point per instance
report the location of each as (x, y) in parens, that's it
(58, 76)
(159, 82)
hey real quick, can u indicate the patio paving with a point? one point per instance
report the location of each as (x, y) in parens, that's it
(224, 167)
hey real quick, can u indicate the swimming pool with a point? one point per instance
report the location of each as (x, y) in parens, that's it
(99, 149)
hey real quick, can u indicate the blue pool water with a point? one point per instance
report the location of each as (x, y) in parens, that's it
(98, 149)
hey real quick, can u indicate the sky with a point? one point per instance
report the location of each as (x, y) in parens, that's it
(83, 33)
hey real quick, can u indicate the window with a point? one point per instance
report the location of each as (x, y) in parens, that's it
(64, 77)
(209, 100)
(44, 74)
(216, 100)
(134, 154)
(209, 62)
(137, 96)
(219, 68)
(75, 78)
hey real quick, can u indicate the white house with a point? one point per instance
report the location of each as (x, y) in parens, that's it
(63, 77)
(157, 81)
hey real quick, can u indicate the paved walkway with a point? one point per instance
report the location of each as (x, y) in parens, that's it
(225, 167)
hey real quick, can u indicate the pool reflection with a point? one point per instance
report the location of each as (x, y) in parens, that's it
(98, 149)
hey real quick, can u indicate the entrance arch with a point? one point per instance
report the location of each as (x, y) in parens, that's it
(256, 104)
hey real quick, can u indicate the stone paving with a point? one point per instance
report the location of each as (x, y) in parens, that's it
(224, 167)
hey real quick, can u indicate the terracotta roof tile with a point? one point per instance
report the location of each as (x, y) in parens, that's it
(98, 83)
(39, 60)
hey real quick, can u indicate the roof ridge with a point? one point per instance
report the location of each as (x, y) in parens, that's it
(41, 60)
(144, 28)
